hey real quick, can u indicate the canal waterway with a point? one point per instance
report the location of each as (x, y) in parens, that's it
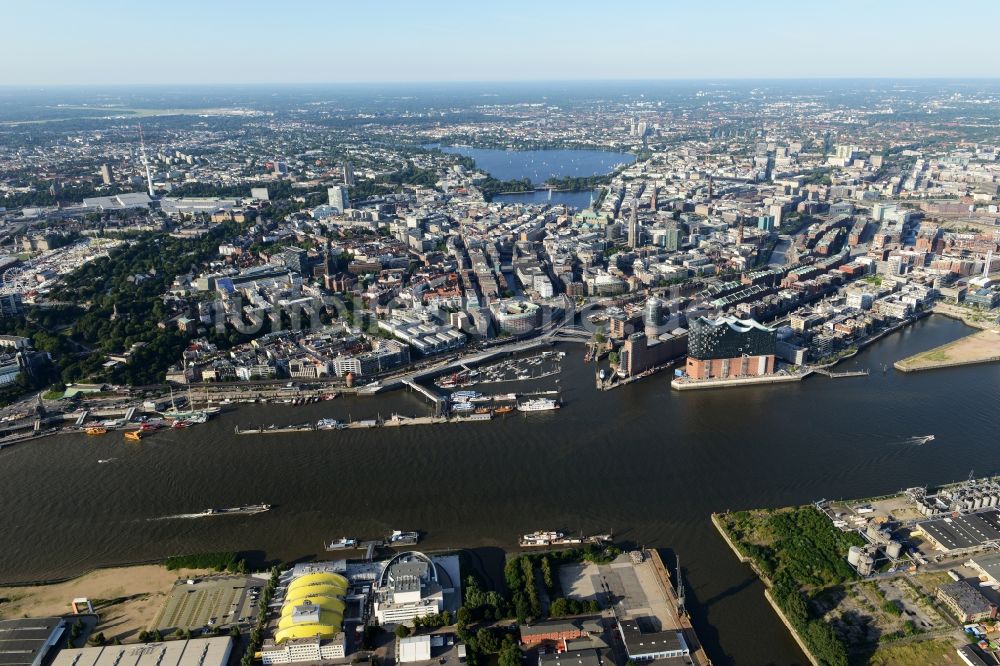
(642, 461)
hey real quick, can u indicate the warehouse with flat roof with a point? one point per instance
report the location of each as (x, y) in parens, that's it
(962, 532)
(988, 567)
(195, 652)
(26, 642)
(571, 658)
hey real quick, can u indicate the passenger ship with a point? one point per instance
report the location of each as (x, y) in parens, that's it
(538, 405)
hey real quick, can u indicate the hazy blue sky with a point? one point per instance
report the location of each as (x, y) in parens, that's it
(230, 41)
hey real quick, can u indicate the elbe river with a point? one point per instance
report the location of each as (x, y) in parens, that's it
(648, 463)
(642, 461)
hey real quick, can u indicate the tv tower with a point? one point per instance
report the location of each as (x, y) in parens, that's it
(145, 163)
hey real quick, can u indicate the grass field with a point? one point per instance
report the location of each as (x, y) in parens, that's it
(939, 652)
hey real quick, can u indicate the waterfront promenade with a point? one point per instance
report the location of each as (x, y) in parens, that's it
(689, 384)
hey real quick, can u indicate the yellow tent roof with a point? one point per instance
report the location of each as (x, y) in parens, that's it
(326, 617)
(311, 592)
(307, 631)
(319, 579)
(324, 602)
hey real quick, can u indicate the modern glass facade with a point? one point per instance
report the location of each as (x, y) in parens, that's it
(728, 337)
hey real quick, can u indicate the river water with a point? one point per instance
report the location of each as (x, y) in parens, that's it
(648, 463)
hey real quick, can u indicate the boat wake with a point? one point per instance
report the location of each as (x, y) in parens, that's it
(180, 516)
(243, 510)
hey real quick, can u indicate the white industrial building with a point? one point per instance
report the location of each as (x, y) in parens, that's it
(303, 649)
(415, 648)
(194, 652)
(411, 585)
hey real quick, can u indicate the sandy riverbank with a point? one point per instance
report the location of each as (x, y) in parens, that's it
(126, 598)
(980, 347)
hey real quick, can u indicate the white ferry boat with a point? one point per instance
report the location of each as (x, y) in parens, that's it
(538, 405)
(343, 543)
(541, 538)
(401, 538)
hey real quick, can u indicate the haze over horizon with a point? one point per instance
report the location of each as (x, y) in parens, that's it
(448, 41)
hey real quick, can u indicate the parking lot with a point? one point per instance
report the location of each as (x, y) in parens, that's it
(635, 591)
(210, 602)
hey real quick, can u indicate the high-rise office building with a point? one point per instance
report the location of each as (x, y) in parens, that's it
(339, 197)
(672, 238)
(107, 175)
(296, 259)
(348, 174)
(775, 211)
(634, 231)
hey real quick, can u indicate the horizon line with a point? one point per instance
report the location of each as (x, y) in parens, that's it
(707, 79)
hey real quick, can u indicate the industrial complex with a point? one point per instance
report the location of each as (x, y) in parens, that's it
(320, 609)
(627, 608)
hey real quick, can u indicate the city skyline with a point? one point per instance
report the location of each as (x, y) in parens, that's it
(454, 334)
(450, 42)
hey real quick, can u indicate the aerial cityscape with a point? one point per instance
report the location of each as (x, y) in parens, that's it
(431, 344)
